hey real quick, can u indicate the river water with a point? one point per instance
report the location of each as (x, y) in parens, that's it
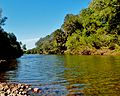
(67, 75)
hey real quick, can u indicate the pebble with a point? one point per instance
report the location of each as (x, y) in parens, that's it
(36, 89)
(12, 89)
(29, 89)
(7, 89)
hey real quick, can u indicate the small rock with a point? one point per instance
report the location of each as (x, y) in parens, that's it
(8, 91)
(16, 92)
(22, 86)
(21, 90)
(14, 89)
(19, 85)
(24, 92)
(20, 93)
(6, 88)
(29, 89)
(27, 86)
(36, 89)
(2, 94)
(1, 88)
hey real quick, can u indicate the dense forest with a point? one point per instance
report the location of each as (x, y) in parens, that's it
(95, 30)
(9, 46)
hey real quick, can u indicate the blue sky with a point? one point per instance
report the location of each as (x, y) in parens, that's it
(31, 19)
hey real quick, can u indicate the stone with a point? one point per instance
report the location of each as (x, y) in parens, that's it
(21, 90)
(19, 85)
(16, 92)
(20, 93)
(8, 91)
(36, 89)
(27, 86)
(1, 88)
(6, 88)
(29, 89)
(24, 92)
(2, 94)
(22, 86)
(14, 89)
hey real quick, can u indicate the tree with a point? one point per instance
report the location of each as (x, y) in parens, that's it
(24, 47)
(60, 38)
(94, 28)
(9, 46)
(71, 24)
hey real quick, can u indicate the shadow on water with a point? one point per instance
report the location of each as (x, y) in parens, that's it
(6, 66)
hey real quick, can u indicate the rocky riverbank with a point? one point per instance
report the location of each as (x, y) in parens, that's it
(12, 89)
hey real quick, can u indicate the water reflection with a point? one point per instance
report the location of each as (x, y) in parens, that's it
(93, 75)
(5, 67)
(88, 75)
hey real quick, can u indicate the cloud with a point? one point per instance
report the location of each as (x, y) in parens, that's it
(30, 43)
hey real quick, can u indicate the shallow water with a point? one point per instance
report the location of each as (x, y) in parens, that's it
(66, 75)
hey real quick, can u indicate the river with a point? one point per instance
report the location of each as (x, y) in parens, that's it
(67, 74)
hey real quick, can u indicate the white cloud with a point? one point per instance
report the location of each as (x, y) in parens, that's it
(30, 43)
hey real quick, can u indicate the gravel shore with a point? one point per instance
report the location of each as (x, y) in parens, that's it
(13, 89)
(8, 89)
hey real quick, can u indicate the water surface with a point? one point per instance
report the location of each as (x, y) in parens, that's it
(86, 75)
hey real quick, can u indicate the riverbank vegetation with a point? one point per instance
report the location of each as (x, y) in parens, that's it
(95, 30)
(9, 46)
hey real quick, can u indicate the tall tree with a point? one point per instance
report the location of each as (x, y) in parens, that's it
(60, 38)
(9, 46)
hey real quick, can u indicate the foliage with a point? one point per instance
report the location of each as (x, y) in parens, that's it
(95, 28)
(60, 40)
(9, 46)
(45, 45)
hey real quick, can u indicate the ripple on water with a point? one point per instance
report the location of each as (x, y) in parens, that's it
(60, 74)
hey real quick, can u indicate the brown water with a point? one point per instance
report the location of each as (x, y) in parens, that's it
(66, 75)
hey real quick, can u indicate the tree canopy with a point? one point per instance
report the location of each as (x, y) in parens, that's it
(94, 28)
(9, 46)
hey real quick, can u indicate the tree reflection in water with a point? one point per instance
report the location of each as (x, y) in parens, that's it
(93, 75)
(5, 67)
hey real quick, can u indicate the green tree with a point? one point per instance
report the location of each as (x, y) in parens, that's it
(60, 39)
(94, 28)
(71, 24)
